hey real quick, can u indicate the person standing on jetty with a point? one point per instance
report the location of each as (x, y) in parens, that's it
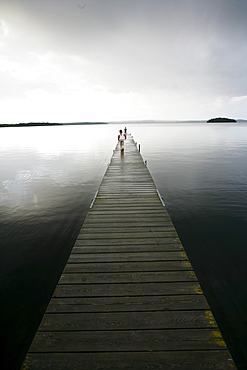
(121, 138)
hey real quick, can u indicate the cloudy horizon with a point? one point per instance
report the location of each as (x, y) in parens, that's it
(115, 60)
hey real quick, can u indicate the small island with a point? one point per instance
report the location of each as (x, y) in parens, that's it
(221, 119)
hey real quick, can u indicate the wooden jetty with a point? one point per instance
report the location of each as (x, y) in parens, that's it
(128, 297)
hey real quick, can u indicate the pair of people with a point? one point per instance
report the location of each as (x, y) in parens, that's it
(121, 138)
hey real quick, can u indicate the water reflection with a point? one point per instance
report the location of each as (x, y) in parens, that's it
(201, 173)
(48, 177)
(47, 180)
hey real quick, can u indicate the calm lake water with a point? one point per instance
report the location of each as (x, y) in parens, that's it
(48, 176)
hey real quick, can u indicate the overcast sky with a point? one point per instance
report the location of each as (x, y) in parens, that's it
(106, 60)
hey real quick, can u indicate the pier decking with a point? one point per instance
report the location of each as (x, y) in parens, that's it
(128, 297)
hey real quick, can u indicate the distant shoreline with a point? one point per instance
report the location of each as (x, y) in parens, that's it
(167, 121)
(34, 124)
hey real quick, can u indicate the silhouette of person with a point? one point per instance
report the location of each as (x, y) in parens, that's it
(121, 138)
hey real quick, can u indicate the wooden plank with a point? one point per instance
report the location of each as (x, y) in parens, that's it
(81, 248)
(130, 241)
(121, 290)
(168, 360)
(144, 221)
(128, 197)
(126, 321)
(133, 212)
(126, 235)
(128, 208)
(127, 266)
(126, 277)
(127, 202)
(131, 229)
(118, 257)
(125, 304)
(106, 228)
(138, 340)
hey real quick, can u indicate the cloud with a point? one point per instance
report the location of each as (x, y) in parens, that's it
(176, 50)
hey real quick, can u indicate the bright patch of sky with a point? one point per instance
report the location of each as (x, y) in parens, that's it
(106, 60)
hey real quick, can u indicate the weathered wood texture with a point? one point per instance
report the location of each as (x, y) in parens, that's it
(128, 297)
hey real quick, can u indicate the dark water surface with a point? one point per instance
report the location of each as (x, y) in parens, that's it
(201, 172)
(48, 177)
